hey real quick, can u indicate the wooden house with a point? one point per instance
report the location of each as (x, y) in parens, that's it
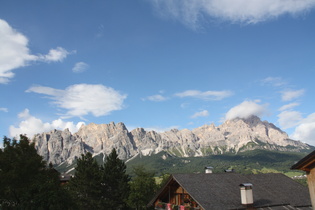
(231, 191)
(307, 164)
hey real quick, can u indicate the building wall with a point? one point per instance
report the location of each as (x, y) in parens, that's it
(311, 185)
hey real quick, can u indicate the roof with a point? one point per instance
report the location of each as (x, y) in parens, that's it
(222, 191)
(305, 163)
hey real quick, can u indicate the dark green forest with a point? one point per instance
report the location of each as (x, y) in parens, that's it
(28, 182)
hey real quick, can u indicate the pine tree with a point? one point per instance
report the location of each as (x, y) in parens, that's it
(142, 188)
(85, 186)
(115, 182)
(25, 181)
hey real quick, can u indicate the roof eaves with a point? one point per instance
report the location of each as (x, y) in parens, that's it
(304, 162)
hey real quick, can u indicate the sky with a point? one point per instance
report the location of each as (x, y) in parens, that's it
(156, 64)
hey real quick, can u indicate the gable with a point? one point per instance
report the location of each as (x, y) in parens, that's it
(221, 191)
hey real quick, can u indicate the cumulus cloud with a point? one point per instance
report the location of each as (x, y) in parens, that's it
(288, 106)
(31, 125)
(203, 113)
(14, 52)
(207, 95)
(80, 67)
(157, 97)
(291, 94)
(274, 81)
(54, 55)
(84, 99)
(192, 13)
(305, 131)
(289, 119)
(246, 109)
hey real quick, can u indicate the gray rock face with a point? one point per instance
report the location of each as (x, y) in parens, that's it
(232, 136)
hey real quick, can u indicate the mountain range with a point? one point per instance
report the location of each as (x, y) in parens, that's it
(233, 136)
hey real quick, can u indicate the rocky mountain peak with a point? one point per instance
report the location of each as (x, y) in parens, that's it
(232, 136)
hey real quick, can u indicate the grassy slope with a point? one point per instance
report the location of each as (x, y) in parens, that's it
(256, 161)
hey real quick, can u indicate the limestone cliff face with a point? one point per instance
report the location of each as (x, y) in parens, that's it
(232, 136)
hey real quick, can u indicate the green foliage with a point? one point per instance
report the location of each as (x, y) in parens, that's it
(163, 179)
(115, 182)
(25, 181)
(142, 187)
(206, 151)
(302, 181)
(86, 186)
(258, 161)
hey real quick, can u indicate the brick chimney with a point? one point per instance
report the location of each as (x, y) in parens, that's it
(247, 195)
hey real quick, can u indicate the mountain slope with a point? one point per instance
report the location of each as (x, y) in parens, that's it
(233, 136)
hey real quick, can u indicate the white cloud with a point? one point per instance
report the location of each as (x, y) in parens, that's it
(31, 125)
(203, 113)
(192, 13)
(14, 52)
(83, 99)
(207, 95)
(246, 109)
(288, 106)
(305, 131)
(289, 119)
(80, 67)
(157, 97)
(4, 109)
(54, 55)
(291, 94)
(274, 81)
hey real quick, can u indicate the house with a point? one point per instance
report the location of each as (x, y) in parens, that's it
(307, 164)
(65, 178)
(220, 191)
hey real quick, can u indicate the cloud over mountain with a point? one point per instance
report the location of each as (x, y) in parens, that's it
(305, 131)
(83, 99)
(31, 125)
(246, 109)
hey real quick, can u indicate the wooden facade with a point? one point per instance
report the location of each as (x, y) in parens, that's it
(307, 164)
(175, 194)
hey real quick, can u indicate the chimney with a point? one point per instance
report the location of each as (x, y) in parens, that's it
(247, 194)
(208, 169)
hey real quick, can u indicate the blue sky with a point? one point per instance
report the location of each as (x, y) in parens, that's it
(156, 64)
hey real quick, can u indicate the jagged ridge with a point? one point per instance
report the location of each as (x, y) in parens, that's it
(234, 136)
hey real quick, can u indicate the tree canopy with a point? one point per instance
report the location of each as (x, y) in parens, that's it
(26, 181)
(85, 186)
(143, 187)
(115, 180)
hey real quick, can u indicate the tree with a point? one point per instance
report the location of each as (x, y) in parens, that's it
(142, 187)
(25, 181)
(115, 182)
(85, 186)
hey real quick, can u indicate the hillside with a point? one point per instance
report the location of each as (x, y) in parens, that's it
(252, 161)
